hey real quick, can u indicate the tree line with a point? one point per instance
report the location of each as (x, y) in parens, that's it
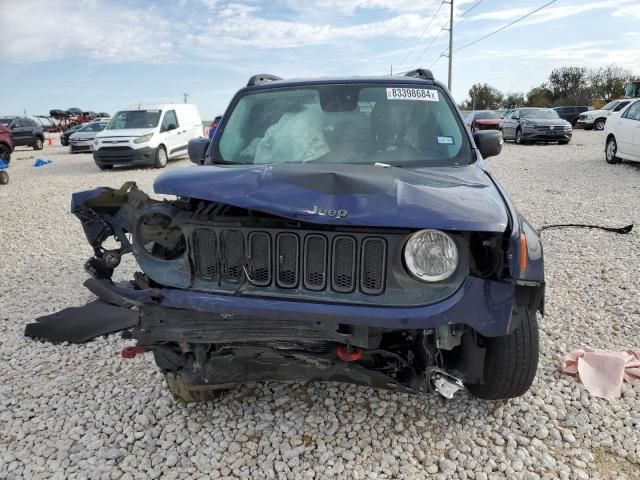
(565, 86)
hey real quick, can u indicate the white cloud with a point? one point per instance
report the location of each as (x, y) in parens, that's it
(87, 29)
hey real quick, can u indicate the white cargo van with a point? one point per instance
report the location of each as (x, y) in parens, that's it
(147, 136)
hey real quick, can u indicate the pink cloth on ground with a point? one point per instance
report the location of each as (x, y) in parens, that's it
(602, 372)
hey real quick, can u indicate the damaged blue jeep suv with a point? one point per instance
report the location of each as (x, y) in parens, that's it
(342, 229)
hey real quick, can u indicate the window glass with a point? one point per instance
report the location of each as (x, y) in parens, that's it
(135, 119)
(621, 105)
(399, 124)
(486, 116)
(545, 113)
(633, 113)
(169, 119)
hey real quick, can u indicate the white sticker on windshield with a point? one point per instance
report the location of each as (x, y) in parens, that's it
(445, 140)
(422, 94)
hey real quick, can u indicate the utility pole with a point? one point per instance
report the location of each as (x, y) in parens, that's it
(450, 44)
(185, 96)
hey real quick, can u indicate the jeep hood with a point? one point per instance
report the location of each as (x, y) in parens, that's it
(446, 198)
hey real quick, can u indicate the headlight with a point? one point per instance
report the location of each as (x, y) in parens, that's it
(431, 255)
(143, 138)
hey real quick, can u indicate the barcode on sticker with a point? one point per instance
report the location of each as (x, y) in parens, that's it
(423, 94)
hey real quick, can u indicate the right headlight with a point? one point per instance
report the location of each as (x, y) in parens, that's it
(431, 255)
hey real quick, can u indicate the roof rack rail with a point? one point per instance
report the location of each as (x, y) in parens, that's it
(422, 73)
(261, 78)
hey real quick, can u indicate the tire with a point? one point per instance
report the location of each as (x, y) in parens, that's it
(610, 151)
(102, 166)
(563, 142)
(181, 392)
(599, 124)
(518, 138)
(38, 143)
(65, 143)
(511, 362)
(161, 157)
(5, 154)
(4, 177)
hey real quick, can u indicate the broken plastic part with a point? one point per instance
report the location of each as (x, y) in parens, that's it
(131, 352)
(447, 386)
(349, 355)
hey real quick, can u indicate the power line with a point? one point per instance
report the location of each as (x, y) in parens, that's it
(505, 26)
(471, 8)
(433, 17)
(443, 29)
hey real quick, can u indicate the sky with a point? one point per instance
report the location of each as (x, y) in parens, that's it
(105, 55)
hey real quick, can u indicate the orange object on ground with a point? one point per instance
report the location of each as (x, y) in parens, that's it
(49, 141)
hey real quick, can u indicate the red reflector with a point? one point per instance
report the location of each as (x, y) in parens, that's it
(349, 356)
(131, 352)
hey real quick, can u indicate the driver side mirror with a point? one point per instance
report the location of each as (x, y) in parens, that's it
(171, 126)
(197, 149)
(489, 142)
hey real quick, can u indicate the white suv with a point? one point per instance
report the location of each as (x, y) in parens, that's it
(595, 119)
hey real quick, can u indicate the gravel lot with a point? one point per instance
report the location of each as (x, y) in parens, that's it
(70, 411)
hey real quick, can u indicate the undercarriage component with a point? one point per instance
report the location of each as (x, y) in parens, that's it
(445, 384)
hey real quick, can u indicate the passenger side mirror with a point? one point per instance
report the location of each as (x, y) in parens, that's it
(489, 142)
(197, 148)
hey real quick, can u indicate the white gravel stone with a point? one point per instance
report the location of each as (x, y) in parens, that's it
(81, 411)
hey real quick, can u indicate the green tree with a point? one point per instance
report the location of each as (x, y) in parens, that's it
(608, 82)
(568, 85)
(513, 100)
(540, 96)
(483, 97)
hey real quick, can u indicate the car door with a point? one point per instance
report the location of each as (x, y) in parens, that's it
(623, 128)
(169, 131)
(631, 117)
(21, 132)
(509, 124)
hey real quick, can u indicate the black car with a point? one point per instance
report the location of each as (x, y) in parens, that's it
(64, 136)
(524, 125)
(25, 132)
(570, 114)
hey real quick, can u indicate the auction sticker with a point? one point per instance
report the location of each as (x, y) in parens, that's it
(423, 94)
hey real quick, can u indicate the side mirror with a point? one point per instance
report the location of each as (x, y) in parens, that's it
(489, 142)
(197, 148)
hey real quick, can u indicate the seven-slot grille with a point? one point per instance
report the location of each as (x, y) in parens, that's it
(312, 261)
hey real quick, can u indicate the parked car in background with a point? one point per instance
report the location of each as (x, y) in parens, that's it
(483, 120)
(48, 124)
(82, 139)
(214, 126)
(26, 132)
(596, 119)
(6, 144)
(622, 134)
(570, 114)
(150, 136)
(297, 251)
(530, 124)
(64, 136)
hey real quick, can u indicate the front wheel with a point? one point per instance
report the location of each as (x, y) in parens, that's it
(4, 177)
(599, 124)
(610, 151)
(5, 154)
(511, 361)
(161, 157)
(518, 138)
(38, 143)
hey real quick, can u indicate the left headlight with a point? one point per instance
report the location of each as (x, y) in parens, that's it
(431, 255)
(143, 138)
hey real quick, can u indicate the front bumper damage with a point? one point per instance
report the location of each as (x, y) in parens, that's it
(214, 340)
